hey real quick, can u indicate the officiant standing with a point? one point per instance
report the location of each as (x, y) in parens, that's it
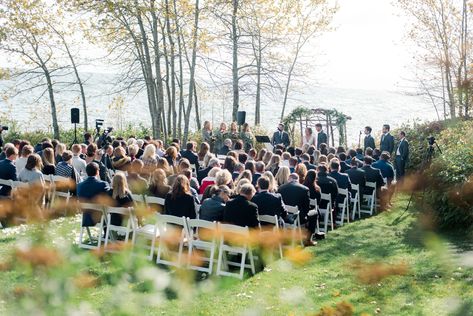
(280, 137)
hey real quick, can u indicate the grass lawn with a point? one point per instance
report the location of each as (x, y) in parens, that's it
(383, 265)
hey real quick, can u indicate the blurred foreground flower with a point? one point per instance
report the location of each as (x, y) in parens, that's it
(39, 256)
(341, 309)
(372, 273)
(297, 256)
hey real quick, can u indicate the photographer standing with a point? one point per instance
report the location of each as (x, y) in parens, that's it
(2, 128)
(402, 155)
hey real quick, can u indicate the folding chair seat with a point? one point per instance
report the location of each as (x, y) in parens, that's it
(99, 211)
(296, 226)
(231, 233)
(355, 201)
(369, 199)
(127, 214)
(327, 211)
(173, 232)
(202, 237)
(150, 233)
(154, 203)
(274, 221)
(344, 207)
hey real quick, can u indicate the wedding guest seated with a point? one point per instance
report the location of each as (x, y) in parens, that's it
(188, 174)
(227, 146)
(267, 158)
(180, 202)
(311, 183)
(212, 209)
(273, 185)
(204, 150)
(164, 165)
(251, 155)
(343, 180)
(259, 170)
(121, 196)
(376, 154)
(136, 183)
(77, 162)
(292, 164)
(357, 175)
(372, 175)
(344, 166)
(8, 169)
(246, 174)
(269, 203)
(282, 176)
(328, 185)
(301, 171)
(240, 210)
(224, 177)
(66, 169)
(359, 154)
(158, 185)
(209, 180)
(201, 174)
(238, 148)
(285, 159)
(250, 166)
(305, 159)
(273, 165)
(190, 155)
(94, 155)
(172, 157)
(32, 171)
(383, 164)
(239, 168)
(49, 162)
(242, 158)
(90, 190)
(120, 161)
(20, 163)
(133, 151)
(229, 164)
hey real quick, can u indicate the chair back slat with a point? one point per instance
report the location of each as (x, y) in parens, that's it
(292, 209)
(371, 185)
(270, 219)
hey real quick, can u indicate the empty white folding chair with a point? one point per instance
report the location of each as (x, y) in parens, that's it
(296, 226)
(272, 220)
(327, 211)
(153, 202)
(369, 207)
(173, 232)
(63, 192)
(343, 207)
(128, 229)
(355, 201)
(138, 198)
(203, 238)
(150, 233)
(99, 211)
(243, 249)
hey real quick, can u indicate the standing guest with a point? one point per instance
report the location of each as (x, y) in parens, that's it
(368, 140)
(233, 130)
(120, 161)
(180, 202)
(387, 140)
(321, 136)
(158, 184)
(220, 135)
(88, 139)
(387, 169)
(8, 169)
(204, 150)
(282, 176)
(259, 170)
(213, 208)
(201, 174)
(89, 190)
(247, 137)
(78, 163)
(136, 183)
(32, 171)
(269, 203)
(49, 164)
(227, 146)
(402, 155)
(240, 210)
(280, 137)
(207, 132)
(20, 163)
(308, 138)
(66, 169)
(238, 169)
(190, 155)
(121, 196)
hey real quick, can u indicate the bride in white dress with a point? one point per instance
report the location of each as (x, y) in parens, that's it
(308, 138)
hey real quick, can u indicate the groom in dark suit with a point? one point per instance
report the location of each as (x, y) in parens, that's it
(321, 136)
(280, 137)
(402, 155)
(369, 140)
(387, 140)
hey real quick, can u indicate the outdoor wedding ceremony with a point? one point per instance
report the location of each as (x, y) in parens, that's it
(236, 157)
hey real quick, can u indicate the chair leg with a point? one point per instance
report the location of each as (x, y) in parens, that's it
(219, 260)
(242, 267)
(252, 261)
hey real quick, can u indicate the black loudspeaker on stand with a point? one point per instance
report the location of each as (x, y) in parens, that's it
(241, 117)
(75, 119)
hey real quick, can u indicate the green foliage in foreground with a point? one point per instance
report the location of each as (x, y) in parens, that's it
(436, 282)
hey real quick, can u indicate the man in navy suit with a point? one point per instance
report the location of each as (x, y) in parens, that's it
(190, 155)
(269, 203)
(280, 137)
(356, 175)
(383, 164)
(8, 169)
(387, 140)
(321, 136)
(369, 140)
(343, 180)
(402, 155)
(372, 175)
(305, 159)
(90, 189)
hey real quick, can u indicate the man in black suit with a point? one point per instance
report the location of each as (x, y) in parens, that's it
(201, 174)
(305, 159)
(372, 175)
(356, 175)
(295, 194)
(327, 184)
(89, 190)
(8, 169)
(387, 140)
(190, 155)
(269, 203)
(343, 180)
(280, 137)
(321, 136)
(240, 210)
(402, 155)
(369, 140)
(259, 168)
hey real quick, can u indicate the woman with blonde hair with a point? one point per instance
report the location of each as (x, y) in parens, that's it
(164, 165)
(158, 184)
(224, 177)
(273, 165)
(273, 184)
(207, 158)
(49, 162)
(245, 175)
(121, 196)
(261, 154)
(59, 150)
(204, 150)
(239, 184)
(282, 176)
(149, 159)
(132, 151)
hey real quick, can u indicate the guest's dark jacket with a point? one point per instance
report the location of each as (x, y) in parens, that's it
(373, 175)
(369, 142)
(224, 150)
(404, 150)
(321, 139)
(387, 169)
(343, 182)
(49, 169)
(344, 166)
(387, 143)
(201, 174)
(212, 209)
(255, 178)
(357, 176)
(309, 166)
(87, 191)
(295, 194)
(270, 204)
(104, 175)
(281, 138)
(7, 172)
(180, 206)
(239, 211)
(192, 157)
(235, 175)
(328, 185)
(126, 201)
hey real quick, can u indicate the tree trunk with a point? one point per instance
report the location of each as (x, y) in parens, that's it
(168, 88)
(181, 75)
(234, 37)
(52, 102)
(258, 83)
(173, 71)
(197, 114)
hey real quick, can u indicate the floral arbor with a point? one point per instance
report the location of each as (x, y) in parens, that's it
(333, 122)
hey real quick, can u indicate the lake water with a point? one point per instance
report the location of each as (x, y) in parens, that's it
(366, 107)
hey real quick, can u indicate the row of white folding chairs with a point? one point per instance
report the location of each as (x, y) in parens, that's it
(147, 200)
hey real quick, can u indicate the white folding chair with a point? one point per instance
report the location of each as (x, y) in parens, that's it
(19, 184)
(344, 207)
(237, 232)
(172, 231)
(127, 214)
(355, 201)
(153, 200)
(221, 157)
(327, 212)
(91, 208)
(55, 180)
(7, 183)
(272, 220)
(296, 226)
(370, 199)
(197, 228)
(138, 198)
(149, 232)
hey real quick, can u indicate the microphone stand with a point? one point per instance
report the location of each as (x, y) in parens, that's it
(359, 140)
